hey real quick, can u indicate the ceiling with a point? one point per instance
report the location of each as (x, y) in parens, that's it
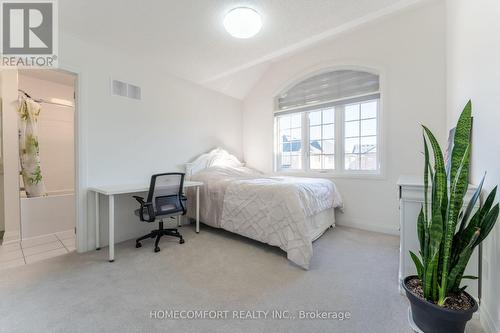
(59, 77)
(187, 38)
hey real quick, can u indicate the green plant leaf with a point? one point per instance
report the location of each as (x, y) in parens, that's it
(462, 139)
(421, 229)
(472, 203)
(438, 202)
(427, 171)
(459, 178)
(418, 265)
(467, 234)
(477, 220)
(457, 193)
(487, 224)
(459, 187)
(426, 178)
(440, 172)
(436, 231)
(447, 234)
(456, 273)
(430, 270)
(430, 281)
(488, 203)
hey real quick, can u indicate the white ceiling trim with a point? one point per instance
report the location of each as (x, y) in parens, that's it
(401, 5)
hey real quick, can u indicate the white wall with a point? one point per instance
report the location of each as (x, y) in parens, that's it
(10, 154)
(473, 53)
(409, 51)
(2, 217)
(125, 141)
(55, 133)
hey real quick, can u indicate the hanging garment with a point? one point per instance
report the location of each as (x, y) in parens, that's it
(29, 152)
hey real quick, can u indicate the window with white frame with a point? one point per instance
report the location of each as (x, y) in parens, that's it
(290, 140)
(329, 123)
(322, 139)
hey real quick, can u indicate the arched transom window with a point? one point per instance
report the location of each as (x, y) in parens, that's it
(329, 123)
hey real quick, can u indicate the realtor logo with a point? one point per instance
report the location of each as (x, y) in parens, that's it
(29, 33)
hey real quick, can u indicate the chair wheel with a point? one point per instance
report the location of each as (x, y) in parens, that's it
(157, 249)
(181, 241)
(138, 245)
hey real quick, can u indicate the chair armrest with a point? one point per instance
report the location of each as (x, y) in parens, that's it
(148, 206)
(140, 199)
(182, 202)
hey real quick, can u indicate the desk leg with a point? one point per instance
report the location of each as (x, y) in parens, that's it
(111, 228)
(97, 223)
(197, 209)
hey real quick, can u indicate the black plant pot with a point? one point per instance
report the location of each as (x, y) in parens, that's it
(431, 318)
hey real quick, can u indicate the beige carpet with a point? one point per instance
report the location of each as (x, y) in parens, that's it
(351, 270)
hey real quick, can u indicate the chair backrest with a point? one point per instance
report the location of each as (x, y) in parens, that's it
(165, 192)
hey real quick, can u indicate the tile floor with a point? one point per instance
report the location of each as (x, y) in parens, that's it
(36, 249)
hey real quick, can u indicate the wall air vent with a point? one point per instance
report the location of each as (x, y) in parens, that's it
(119, 88)
(124, 89)
(133, 91)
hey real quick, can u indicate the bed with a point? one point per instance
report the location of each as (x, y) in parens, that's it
(287, 212)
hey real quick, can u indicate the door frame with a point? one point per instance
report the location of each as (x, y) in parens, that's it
(80, 156)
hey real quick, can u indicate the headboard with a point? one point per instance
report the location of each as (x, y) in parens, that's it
(215, 157)
(189, 170)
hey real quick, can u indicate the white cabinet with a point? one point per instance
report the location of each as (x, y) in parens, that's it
(411, 199)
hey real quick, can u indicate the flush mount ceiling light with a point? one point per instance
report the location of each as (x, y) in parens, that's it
(242, 22)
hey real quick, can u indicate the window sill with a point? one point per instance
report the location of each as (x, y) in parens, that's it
(333, 175)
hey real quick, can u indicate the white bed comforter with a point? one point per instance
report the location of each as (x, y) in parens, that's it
(273, 210)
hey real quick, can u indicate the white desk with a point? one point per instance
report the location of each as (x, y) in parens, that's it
(112, 190)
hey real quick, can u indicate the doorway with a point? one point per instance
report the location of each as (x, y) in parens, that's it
(46, 125)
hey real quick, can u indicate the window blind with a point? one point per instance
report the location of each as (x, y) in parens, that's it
(328, 88)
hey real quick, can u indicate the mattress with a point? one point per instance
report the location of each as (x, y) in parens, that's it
(288, 212)
(320, 222)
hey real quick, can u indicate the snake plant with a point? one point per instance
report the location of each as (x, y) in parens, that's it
(447, 231)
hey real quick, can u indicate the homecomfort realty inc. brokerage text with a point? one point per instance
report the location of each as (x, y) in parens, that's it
(249, 315)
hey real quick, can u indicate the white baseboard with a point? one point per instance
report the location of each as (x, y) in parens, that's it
(369, 227)
(11, 237)
(487, 322)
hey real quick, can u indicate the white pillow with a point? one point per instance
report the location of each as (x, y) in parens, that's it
(221, 157)
(216, 157)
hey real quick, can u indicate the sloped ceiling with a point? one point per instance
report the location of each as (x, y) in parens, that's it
(187, 38)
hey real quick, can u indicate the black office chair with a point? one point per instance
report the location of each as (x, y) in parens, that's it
(165, 200)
